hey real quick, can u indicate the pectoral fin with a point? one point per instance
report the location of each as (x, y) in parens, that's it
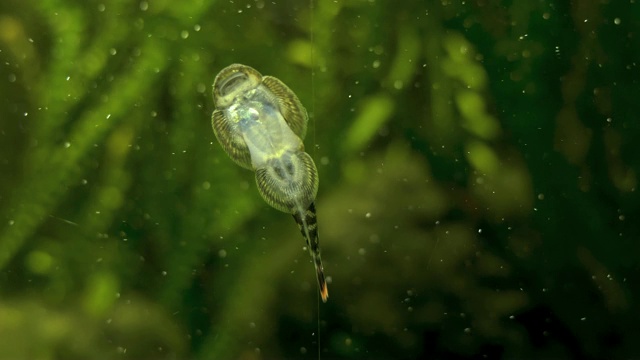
(292, 110)
(231, 140)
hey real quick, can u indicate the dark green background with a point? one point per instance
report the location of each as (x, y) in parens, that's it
(478, 181)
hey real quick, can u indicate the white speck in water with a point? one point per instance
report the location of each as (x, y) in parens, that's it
(144, 5)
(101, 7)
(67, 145)
(164, 273)
(108, 116)
(583, 319)
(206, 185)
(196, 27)
(11, 222)
(12, 77)
(376, 64)
(479, 231)
(367, 215)
(222, 253)
(398, 85)
(184, 34)
(617, 21)
(68, 78)
(113, 51)
(541, 196)
(26, 114)
(467, 330)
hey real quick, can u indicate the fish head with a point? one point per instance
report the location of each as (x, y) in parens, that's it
(234, 81)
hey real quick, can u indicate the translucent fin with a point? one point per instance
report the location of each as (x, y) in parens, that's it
(290, 106)
(288, 182)
(231, 140)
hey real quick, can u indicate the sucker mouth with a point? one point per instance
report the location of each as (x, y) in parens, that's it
(231, 83)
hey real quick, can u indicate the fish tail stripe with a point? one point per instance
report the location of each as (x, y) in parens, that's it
(309, 229)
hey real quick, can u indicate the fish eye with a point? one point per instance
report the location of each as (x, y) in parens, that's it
(232, 83)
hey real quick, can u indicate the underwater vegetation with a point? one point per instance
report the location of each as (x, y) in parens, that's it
(478, 195)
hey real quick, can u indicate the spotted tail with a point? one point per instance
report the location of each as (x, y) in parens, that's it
(308, 225)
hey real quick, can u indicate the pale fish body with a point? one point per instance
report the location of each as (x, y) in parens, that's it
(260, 124)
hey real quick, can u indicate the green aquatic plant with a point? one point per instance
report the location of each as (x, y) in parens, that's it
(479, 181)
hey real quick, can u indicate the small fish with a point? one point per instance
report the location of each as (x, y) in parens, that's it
(260, 124)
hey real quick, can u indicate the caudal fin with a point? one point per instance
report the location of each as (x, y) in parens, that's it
(324, 290)
(308, 225)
